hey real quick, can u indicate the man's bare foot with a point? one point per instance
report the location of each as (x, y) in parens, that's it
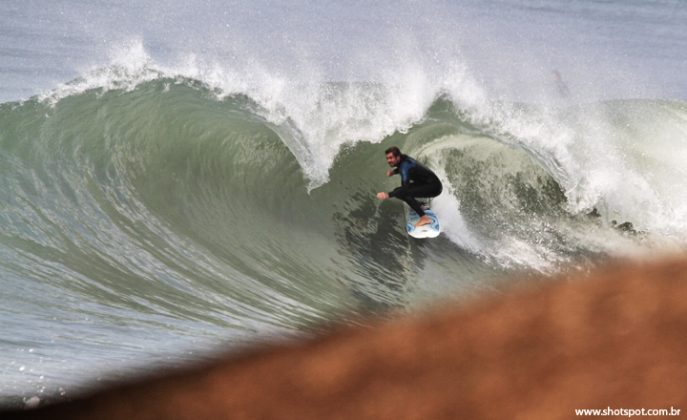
(424, 220)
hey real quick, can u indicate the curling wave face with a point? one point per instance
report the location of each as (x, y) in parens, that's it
(165, 213)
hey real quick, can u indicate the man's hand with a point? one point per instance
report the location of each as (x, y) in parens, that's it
(390, 172)
(382, 195)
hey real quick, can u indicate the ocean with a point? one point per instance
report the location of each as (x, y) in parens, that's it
(184, 178)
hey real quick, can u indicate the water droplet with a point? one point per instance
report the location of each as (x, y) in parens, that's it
(32, 402)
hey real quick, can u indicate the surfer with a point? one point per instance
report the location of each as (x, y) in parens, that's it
(416, 181)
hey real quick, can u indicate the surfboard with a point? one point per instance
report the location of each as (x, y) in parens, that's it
(431, 230)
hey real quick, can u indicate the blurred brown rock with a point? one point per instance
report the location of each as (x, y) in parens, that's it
(617, 338)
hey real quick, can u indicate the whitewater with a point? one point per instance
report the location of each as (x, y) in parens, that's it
(209, 181)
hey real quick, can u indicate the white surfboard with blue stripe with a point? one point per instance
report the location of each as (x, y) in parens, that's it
(431, 230)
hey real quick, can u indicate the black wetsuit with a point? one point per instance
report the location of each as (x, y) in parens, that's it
(416, 181)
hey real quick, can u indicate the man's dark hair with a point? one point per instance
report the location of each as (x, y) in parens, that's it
(394, 150)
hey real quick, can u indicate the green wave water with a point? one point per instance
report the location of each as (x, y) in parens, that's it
(142, 226)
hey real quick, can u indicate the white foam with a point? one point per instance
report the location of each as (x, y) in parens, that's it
(129, 66)
(319, 116)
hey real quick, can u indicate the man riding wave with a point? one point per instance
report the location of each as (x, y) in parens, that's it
(416, 181)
